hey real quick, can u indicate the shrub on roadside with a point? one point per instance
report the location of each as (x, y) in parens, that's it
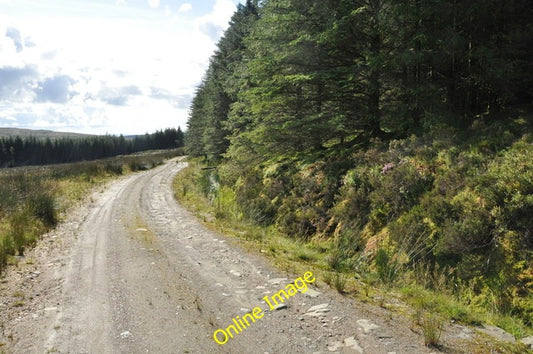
(18, 225)
(113, 168)
(395, 191)
(41, 204)
(387, 267)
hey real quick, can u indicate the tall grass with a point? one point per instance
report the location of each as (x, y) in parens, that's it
(432, 329)
(33, 198)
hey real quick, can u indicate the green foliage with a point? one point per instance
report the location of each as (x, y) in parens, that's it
(114, 168)
(432, 329)
(339, 282)
(449, 209)
(41, 205)
(306, 210)
(344, 254)
(399, 131)
(208, 126)
(18, 225)
(413, 234)
(7, 248)
(292, 77)
(136, 166)
(225, 204)
(387, 267)
(252, 199)
(435, 302)
(396, 191)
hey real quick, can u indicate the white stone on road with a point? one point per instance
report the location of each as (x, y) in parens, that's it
(352, 345)
(277, 280)
(311, 293)
(367, 326)
(318, 310)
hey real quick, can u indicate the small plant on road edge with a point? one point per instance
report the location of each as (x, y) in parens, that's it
(432, 328)
(339, 281)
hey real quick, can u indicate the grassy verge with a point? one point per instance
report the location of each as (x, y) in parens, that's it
(429, 307)
(221, 214)
(33, 199)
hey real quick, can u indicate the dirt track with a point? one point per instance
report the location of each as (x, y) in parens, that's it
(133, 272)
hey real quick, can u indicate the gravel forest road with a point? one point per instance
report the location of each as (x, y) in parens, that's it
(134, 272)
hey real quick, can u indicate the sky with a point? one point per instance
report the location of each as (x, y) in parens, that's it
(105, 66)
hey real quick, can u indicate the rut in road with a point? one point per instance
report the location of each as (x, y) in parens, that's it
(145, 276)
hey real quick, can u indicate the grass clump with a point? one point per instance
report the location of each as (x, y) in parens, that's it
(339, 282)
(42, 206)
(387, 268)
(432, 329)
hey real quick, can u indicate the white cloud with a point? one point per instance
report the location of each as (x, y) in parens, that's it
(214, 23)
(154, 3)
(185, 8)
(124, 72)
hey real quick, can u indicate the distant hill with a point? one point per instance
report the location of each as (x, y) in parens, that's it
(40, 134)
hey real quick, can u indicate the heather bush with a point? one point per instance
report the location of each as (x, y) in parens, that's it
(413, 235)
(352, 206)
(253, 200)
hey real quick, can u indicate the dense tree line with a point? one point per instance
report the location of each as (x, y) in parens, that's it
(18, 151)
(292, 77)
(399, 132)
